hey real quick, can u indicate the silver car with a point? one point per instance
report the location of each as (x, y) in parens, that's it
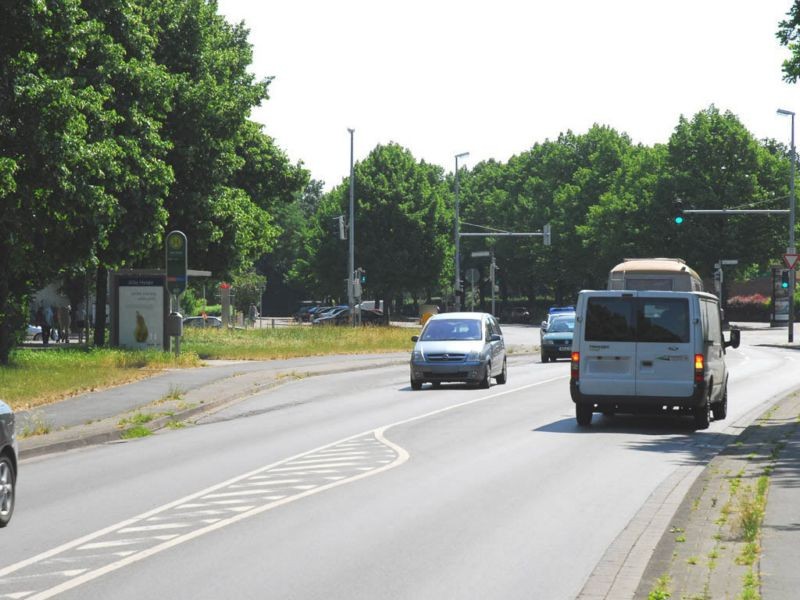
(8, 463)
(464, 347)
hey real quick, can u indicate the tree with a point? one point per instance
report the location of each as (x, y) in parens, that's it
(402, 227)
(53, 161)
(789, 35)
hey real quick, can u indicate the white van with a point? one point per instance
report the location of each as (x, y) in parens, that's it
(636, 351)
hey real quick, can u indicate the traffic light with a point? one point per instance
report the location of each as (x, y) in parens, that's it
(547, 234)
(677, 211)
(785, 279)
(362, 275)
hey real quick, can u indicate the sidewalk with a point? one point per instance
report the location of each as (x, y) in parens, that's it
(102, 416)
(705, 553)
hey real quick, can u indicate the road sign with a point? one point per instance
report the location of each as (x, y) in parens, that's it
(791, 260)
(176, 262)
(480, 254)
(472, 275)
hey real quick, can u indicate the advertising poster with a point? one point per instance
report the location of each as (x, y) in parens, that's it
(141, 312)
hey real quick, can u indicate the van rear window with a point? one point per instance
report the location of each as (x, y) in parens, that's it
(610, 320)
(663, 320)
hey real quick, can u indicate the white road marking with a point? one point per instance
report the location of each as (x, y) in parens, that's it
(196, 500)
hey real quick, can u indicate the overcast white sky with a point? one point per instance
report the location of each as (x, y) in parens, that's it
(492, 78)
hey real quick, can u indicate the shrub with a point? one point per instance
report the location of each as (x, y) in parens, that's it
(755, 307)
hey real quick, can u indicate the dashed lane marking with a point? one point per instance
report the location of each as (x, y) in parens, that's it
(339, 463)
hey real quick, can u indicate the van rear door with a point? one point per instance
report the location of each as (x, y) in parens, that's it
(664, 354)
(608, 346)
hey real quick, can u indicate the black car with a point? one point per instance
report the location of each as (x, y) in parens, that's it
(8, 463)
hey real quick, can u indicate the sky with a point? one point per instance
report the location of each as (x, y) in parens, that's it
(493, 78)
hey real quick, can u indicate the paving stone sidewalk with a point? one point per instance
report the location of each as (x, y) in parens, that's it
(714, 548)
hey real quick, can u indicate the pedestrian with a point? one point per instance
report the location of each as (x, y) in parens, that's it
(47, 324)
(253, 314)
(80, 321)
(64, 323)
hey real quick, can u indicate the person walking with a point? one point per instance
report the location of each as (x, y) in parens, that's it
(64, 323)
(47, 324)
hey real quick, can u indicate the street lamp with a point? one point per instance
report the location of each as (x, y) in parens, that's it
(791, 248)
(456, 236)
(352, 236)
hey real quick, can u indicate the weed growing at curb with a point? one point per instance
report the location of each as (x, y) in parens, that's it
(139, 431)
(661, 589)
(35, 425)
(137, 419)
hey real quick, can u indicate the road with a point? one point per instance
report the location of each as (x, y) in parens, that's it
(353, 486)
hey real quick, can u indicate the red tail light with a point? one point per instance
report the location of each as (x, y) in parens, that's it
(699, 368)
(575, 366)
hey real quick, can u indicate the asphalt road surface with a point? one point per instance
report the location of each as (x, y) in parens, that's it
(353, 486)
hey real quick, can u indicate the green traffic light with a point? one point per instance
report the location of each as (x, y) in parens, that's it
(785, 284)
(679, 219)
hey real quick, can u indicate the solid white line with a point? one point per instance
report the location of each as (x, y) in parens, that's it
(402, 457)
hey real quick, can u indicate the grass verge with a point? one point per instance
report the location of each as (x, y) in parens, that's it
(39, 377)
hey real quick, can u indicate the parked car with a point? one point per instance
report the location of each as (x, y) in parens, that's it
(303, 314)
(212, 322)
(8, 463)
(556, 342)
(464, 347)
(35, 333)
(335, 316)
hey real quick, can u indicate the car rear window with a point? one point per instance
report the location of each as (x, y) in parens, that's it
(663, 320)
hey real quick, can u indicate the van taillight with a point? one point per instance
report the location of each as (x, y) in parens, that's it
(699, 368)
(575, 366)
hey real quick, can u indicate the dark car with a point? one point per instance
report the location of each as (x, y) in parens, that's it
(211, 322)
(8, 463)
(338, 315)
(556, 340)
(303, 314)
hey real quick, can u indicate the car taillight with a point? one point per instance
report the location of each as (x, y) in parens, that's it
(575, 366)
(699, 368)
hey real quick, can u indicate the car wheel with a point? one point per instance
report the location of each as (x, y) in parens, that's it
(436, 384)
(37, 337)
(719, 410)
(583, 414)
(7, 480)
(503, 377)
(487, 376)
(416, 385)
(702, 415)
(545, 358)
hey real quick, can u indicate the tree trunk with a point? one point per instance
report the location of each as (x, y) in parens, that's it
(101, 298)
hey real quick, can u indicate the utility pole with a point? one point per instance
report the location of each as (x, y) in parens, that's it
(351, 258)
(456, 235)
(792, 248)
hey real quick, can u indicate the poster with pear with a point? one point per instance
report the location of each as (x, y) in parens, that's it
(141, 313)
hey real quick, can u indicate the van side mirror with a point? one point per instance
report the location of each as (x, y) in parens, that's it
(736, 338)
(414, 338)
(496, 338)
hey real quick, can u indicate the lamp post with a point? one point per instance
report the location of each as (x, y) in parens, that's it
(791, 248)
(351, 235)
(458, 245)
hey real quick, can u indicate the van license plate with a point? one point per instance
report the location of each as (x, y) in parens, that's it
(564, 348)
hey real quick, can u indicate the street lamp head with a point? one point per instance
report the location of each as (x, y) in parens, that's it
(462, 155)
(783, 111)
(351, 131)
